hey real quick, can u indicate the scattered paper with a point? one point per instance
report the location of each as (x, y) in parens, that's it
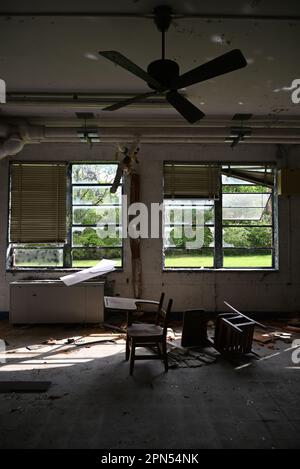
(103, 267)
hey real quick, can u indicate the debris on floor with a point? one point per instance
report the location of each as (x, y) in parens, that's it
(50, 341)
(186, 358)
(71, 340)
(81, 341)
(16, 409)
(114, 328)
(262, 338)
(88, 341)
(267, 337)
(286, 336)
(35, 347)
(53, 397)
(170, 334)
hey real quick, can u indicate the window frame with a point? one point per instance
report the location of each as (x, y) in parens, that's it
(67, 246)
(218, 224)
(210, 225)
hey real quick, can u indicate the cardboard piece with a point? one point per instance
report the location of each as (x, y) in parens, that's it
(103, 267)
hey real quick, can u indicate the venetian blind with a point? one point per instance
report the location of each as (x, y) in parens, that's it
(38, 203)
(191, 181)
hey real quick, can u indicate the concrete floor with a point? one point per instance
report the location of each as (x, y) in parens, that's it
(94, 403)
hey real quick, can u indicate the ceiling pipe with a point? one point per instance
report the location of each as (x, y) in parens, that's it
(292, 122)
(11, 141)
(147, 132)
(13, 145)
(15, 137)
(174, 140)
(42, 133)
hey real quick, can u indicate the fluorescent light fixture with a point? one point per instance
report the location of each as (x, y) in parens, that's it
(88, 135)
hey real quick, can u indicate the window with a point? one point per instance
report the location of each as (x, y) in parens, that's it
(247, 209)
(90, 214)
(179, 216)
(235, 227)
(96, 215)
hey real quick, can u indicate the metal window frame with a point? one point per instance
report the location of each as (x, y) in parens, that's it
(247, 225)
(67, 246)
(74, 225)
(218, 223)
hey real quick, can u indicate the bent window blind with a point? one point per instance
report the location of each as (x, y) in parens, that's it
(38, 203)
(191, 181)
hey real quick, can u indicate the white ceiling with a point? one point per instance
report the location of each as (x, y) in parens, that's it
(59, 54)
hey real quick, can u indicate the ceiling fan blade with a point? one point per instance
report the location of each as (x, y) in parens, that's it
(121, 60)
(225, 63)
(190, 112)
(126, 102)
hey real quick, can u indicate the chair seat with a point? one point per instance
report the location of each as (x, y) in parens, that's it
(142, 330)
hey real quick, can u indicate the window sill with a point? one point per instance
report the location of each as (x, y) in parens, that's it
(52, 269)
(199, 269)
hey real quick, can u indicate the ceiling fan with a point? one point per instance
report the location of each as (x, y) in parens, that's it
(163, 75)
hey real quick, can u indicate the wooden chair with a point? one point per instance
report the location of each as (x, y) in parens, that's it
(233, 336)
(149, 335)
(144, 313)
(234, 332)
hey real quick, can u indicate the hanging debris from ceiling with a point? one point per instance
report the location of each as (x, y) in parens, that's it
(127, 156)
(127, 163)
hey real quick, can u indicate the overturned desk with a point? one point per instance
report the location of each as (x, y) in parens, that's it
(233, 331)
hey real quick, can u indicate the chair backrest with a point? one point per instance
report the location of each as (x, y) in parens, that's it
(159, 308)
(164, 316)
(146, 311)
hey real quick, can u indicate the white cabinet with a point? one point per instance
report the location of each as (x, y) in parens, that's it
(51, 301)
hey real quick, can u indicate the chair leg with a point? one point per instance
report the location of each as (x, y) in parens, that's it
(132, 356)
(127, 353)
(165, 356)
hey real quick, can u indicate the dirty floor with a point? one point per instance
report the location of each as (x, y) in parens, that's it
(94, 403)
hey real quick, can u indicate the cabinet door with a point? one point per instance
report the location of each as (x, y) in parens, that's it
(94, 303)
(44, 304)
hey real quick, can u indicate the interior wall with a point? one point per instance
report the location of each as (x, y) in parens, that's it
(248, 290)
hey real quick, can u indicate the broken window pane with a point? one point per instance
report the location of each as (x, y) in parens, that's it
(37, 257)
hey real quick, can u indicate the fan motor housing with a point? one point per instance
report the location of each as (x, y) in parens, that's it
(164, 71)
